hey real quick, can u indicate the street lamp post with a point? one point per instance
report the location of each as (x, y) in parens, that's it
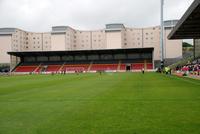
(162, 35)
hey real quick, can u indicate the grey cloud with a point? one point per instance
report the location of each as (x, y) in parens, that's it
(40, 15)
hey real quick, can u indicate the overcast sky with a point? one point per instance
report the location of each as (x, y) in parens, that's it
(41, 15)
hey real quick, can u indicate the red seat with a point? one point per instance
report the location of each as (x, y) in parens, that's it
(53, 68)
(123, 67)
(38, 69)
(149, 66)
(101, 67)
(25, 68)
(75, 67)
(137, 66)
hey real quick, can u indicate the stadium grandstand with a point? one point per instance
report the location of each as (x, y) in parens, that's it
(112, 60)
(188, 27)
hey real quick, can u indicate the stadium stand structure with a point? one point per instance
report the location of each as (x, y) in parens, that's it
(188, 27)
(84, 61)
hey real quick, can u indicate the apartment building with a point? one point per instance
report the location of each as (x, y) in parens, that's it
(65, 38)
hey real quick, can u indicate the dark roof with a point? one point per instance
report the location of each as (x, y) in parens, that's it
(188, 26)
(85, 52)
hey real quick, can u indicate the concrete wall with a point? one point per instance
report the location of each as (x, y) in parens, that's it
(113, 40)
(132, 38)
(5, 46)
(98, 39)
(70, 37)
(58, 42)
(46, 42)
(197, 47)
(173, 48)
(83, 40)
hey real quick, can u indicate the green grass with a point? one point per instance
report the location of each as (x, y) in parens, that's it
(127, 103)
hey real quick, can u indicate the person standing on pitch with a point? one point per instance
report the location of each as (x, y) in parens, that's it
(142, 70)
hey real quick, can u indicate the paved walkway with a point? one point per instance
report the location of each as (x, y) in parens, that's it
(194, 77)
(189, 76)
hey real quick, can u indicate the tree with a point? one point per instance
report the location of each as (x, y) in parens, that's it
(185, 44)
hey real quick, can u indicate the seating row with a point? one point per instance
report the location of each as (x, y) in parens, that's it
(83, 67)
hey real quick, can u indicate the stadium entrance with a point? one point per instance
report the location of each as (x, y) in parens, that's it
(128, 67)
(112, 60)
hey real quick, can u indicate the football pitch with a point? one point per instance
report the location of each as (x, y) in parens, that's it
(118, 103)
